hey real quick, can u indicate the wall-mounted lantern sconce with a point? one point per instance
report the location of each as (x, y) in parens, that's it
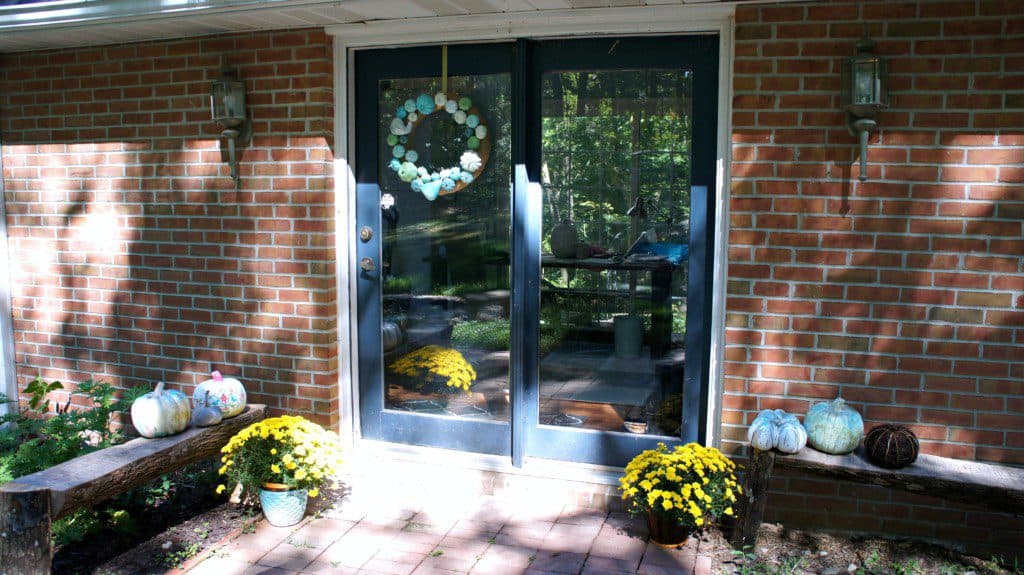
(865, 88)
(227, 107)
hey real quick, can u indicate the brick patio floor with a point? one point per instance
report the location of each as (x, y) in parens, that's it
(479, 535)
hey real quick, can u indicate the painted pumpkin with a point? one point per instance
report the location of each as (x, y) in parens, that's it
(791, 437)
(206, 415)
(834, 427)
(161, 412)
(226, 394)
(776, 429)
(763, 435)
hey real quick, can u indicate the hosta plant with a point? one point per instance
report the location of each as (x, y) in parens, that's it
(690, 484)
(286, 450)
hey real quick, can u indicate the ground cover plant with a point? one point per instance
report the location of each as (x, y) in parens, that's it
(43, 433)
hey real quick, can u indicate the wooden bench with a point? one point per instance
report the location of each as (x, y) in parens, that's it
(29, 504)
(996, 487)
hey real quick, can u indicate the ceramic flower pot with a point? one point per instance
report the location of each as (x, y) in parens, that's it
(283, 506)
(666, 531)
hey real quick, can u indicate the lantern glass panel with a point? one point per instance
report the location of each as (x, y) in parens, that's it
(227, 102)
(865, 82)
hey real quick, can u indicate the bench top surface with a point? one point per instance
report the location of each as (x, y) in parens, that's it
(931, 474)
(131, 463)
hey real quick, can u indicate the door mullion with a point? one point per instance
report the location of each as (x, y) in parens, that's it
(519, 404)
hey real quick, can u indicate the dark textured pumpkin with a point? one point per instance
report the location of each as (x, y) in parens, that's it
(892, 446)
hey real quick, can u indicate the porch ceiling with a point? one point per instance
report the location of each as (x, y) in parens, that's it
(67, 23)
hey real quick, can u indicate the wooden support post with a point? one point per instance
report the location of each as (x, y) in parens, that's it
(755, 498)
(25, 530)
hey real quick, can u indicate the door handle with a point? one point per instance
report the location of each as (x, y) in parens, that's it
(367, 265)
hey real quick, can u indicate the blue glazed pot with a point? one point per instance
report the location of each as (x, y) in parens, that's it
(283, 508)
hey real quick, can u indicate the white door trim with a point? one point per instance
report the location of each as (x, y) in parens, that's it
(639, 20)
(8, 366)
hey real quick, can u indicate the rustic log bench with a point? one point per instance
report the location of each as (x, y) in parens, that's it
(29, 504)
(996, 487)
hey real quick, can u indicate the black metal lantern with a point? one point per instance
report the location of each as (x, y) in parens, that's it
(227, 107)
(865, 92)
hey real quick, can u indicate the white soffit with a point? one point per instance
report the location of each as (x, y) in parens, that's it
(69, 23)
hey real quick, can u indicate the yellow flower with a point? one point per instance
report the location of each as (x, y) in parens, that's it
(314, 492)
(275, 468)
(290, 465)
(300, 474)
(273, 452)
(220, 489)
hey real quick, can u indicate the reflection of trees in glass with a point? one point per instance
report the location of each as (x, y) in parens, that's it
(608, 138)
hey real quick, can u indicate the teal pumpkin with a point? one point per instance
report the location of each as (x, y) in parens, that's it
(834, 427)
(161, 412)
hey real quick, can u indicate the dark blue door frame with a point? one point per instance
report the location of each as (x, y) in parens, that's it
(526, 61)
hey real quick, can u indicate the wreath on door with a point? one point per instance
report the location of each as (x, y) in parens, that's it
(438, 181)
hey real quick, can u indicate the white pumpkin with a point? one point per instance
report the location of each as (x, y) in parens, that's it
(161, 412)
(776, 429)
(791, 437)
(226, 394)
(763, 435)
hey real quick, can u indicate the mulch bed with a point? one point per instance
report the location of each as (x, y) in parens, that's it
(164, 531)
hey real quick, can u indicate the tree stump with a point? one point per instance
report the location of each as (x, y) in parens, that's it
(24, 530)
(755, 498)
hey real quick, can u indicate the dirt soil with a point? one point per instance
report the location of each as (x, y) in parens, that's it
(188, 514)
(782, 551)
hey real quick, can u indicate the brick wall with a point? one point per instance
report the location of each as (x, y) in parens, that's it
(904, 293)
(133, 257)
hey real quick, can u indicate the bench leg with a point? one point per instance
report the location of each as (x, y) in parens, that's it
(25, 530)
(754, 499)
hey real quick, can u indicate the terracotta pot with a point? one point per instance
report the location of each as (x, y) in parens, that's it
(666, 531)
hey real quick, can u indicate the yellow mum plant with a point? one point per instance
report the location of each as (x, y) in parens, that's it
(693, 484)
(287, 450)
(436, 369)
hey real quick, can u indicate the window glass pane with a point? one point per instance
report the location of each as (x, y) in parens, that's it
(445, 261)
(616, 157)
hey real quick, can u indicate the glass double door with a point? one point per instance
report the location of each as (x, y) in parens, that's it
(533, 248)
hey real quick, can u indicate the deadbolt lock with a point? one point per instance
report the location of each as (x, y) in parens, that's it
(366, 233)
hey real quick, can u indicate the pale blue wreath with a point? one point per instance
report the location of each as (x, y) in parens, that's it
(446, 180)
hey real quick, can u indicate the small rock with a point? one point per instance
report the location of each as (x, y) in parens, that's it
(852, 568)
(167, 545)
(970, 573)
(831, 571)
(806, 553)
(822, 553)
(763, 550)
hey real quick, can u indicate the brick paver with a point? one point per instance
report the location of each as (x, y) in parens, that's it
(482, 536)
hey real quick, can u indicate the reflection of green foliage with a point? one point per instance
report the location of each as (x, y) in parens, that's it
(397, 285)
(495, 335)
(485, 335)
(463, 289)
